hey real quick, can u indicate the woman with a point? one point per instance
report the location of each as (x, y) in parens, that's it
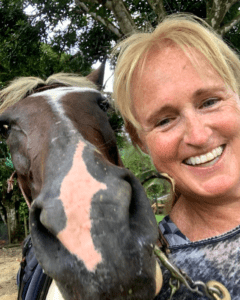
(178, 92)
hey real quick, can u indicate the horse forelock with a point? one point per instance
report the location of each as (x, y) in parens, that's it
(69, 79)
(22, 87)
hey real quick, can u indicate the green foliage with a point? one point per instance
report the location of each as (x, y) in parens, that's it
(12, 198)
(8, 162)
(142, 167)
(159, 218)
(94, 39)
(116, 122)
(90, 38)
(51, 61)
(232, 37)
(19, 42)
(25, 47)
(23, 210)
(136, 161)
(6, 166)
(195, 7)
(95, 42)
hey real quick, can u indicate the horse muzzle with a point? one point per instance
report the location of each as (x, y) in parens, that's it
(94, 231)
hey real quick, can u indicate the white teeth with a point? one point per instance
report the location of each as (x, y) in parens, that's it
(192, 160)
(196, 160)
(214, 152)
(210, 156)
(219, 151)
(203, 158)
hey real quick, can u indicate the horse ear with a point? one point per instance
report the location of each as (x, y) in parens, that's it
(97, 76)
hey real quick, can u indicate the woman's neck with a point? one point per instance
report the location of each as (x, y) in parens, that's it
(200, 220)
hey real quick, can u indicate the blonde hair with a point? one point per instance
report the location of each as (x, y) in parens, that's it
(187, 32)
(21, 87)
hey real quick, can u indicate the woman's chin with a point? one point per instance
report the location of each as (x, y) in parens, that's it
(219, 186)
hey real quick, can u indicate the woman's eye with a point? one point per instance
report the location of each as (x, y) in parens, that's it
(164, 122)
(209, 102)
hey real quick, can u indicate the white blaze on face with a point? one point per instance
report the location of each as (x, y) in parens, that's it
(77, 191)
(54, 97)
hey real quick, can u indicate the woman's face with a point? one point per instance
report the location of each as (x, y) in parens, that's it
(191, 123)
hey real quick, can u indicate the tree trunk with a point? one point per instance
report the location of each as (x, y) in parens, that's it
(25, 226)
(11, 222)
(3, 212)
(9, 230)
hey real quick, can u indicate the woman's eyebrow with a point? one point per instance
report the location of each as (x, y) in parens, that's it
(155, 115)
(207, 91)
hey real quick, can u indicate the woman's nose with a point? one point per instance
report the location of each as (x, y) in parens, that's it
(197, 131)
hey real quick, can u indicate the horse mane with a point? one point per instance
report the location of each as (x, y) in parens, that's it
(22, 87)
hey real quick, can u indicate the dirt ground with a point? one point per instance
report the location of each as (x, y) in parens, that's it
(9, 265)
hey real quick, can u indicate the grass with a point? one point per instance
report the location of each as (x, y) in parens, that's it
(159, 217)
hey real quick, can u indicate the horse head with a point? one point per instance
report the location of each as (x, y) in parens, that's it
(92, 226)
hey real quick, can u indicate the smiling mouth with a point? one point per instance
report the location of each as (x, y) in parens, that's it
(207, 159)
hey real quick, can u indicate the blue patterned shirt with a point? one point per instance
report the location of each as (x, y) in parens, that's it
(216, 258)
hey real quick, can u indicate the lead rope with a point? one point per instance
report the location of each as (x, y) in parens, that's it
(214, 290)
(10, 182)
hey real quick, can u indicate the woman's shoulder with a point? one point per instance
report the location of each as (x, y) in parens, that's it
(176, 238)
(215, 258)
(172, 233)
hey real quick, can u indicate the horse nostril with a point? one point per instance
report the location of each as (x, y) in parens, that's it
(45, 220)
(49, 215)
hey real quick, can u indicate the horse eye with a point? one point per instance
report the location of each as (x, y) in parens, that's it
(4, 130)
(103, 104)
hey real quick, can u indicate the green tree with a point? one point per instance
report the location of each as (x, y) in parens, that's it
(19, 42)
(92, 28)
(52, 61)
(94, 25)
(12, 204)
(26, 49)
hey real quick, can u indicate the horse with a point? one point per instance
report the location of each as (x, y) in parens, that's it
(92, 226)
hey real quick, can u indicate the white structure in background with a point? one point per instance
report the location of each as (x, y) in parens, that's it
(108, 76)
